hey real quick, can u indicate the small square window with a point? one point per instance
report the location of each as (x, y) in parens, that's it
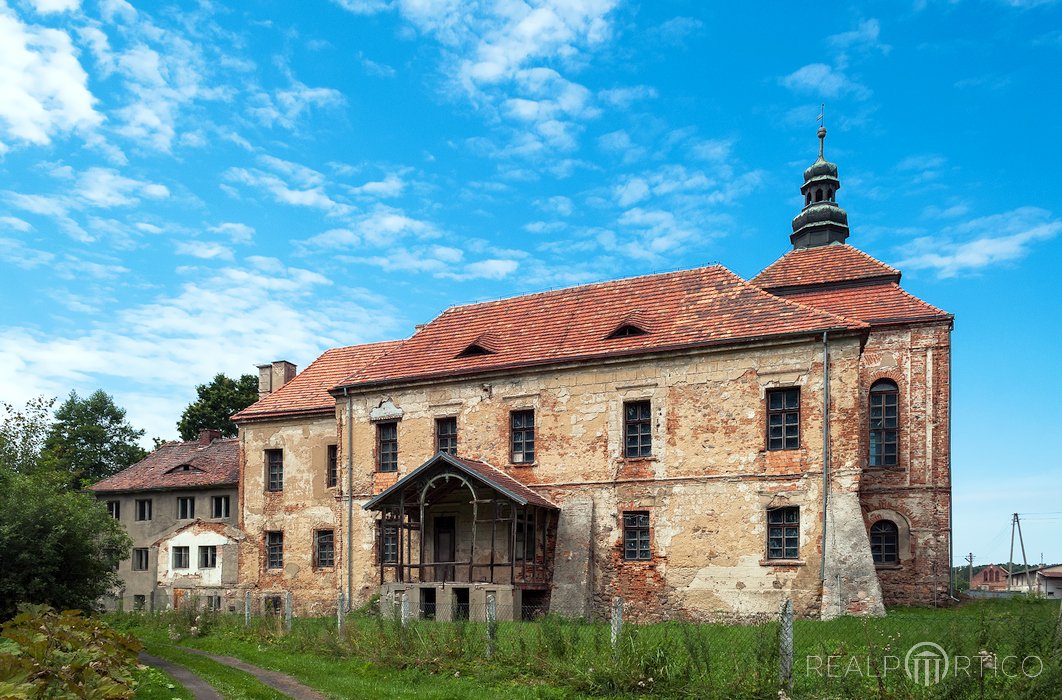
(180, 558)
(185, 507)
(275, 550)
(783, 533)
(208, 556)
(387, 447)
(139, 602)
(143, 508)
(446, 435)
(637, 429)
(114, 509)
(324, 548)
(783, 419)
(636, 536)
(332, 467)
(522, 436)
(140, 559)
(219, 506)
(274, 470)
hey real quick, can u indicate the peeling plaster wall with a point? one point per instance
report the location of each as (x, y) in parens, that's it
(195, 577)
(916, 494)
(707, 485)
(306, 504)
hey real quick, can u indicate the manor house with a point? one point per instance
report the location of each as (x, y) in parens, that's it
(693, 442)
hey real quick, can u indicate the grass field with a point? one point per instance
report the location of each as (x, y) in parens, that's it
(558, 658)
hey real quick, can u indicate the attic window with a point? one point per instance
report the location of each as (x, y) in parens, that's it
(626, 330)
(183, 468)
(474, 350)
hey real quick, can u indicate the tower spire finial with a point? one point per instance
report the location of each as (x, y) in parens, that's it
(822, 131)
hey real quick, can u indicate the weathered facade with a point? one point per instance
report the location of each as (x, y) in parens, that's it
(184, 496)
(694, 443)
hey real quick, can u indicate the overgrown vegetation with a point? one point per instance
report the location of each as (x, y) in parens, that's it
(556, 657)
(48, 654)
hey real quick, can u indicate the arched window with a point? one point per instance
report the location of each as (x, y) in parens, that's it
(808, 199)
(829, 195)
(818, 195)
(884, 423)
(885, 542)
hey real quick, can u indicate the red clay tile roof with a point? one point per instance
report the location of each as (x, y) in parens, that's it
(873, 303)
(692, 308)
(308, 391)
(823, 265)
(215, 465)
(481, 471)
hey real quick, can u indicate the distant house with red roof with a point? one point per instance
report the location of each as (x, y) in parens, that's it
(692, 442)
(179, 505)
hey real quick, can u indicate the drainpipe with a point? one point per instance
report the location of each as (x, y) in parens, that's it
(350, 499)
(825, 445)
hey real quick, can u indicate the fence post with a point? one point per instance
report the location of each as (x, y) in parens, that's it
(1058, 628)
(339, 611)
(405, 608)
(617, 621)
(492, 624)
(247, 609)
(785, 646)
(287, 611)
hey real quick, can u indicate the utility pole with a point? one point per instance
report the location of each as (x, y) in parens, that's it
(969, 577)
(1010, 561)
(1017, 521)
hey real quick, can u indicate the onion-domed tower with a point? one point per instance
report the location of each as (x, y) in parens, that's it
(821, 222)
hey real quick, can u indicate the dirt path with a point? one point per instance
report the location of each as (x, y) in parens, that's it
(199, 688)
(278, 681)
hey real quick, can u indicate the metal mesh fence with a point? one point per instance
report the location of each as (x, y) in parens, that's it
(989, 649)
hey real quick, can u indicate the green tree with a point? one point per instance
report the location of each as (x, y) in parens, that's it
(57, 546)
(22, 434)
(217, 401)
(90, 439)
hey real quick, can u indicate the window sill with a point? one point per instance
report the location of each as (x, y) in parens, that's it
(635, 460)
(783, 562)
(888, 567)
(522, 465)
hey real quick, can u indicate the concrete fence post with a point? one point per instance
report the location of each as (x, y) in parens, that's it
(339, 611)
(1058, 628)
(492, 624)
(617, 621)
(785, 646)
(247, 609)
(287, 611)
(405, 609)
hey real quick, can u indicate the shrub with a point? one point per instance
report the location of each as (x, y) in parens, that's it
(48, 654)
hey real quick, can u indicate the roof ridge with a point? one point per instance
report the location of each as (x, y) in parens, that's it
(803, 307)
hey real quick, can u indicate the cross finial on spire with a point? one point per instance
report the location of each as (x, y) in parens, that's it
(821, 119)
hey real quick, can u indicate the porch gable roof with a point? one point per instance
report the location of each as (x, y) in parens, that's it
(482, 472)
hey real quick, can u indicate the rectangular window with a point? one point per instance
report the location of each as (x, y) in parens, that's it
(636, 535)
(324, 548)
(389, 544)
(139, 602)
(332, 473)
(208, 556)
(114, 509)
(180, 557)
(143, 508)
(637, 429)
(783, 533)
(525, 537)
(446, 435)
(213, 603)
(274, 470)
(274, 550)
(387, 447)
(185, 507)
(522, 436)
(273, 604)
(783, 419)
(140, 559)
(219, 506)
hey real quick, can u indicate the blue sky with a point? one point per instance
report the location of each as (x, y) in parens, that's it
(199, 187)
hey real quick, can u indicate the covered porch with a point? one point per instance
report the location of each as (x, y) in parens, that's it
(455, 529)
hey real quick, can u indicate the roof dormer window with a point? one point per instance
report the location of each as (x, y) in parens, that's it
(485, 344)
(183, 468)
(625, 331)
(474, 350)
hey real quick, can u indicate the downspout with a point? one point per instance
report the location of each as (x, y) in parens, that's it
(825, 447)
(350, 499)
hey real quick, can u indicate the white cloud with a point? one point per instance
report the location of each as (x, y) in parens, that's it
(13, 222)
(222, 320)
(48, 6)
(493, 269)
(823, 80)
(866, 36)
(203, 250)
(558, 204)
(632, 191)
(371, 67)
(622, 98)
(981, 243)
(313, 197)
(712, 149)
(236, 232)
(19, 254)
(44, 88)
(105, 187)
(286, 107)
(390, 186)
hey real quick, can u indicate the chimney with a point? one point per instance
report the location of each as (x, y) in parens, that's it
(273, 376)
(208, 435)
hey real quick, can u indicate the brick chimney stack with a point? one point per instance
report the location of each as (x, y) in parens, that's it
(273, 376)
(208, 435)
